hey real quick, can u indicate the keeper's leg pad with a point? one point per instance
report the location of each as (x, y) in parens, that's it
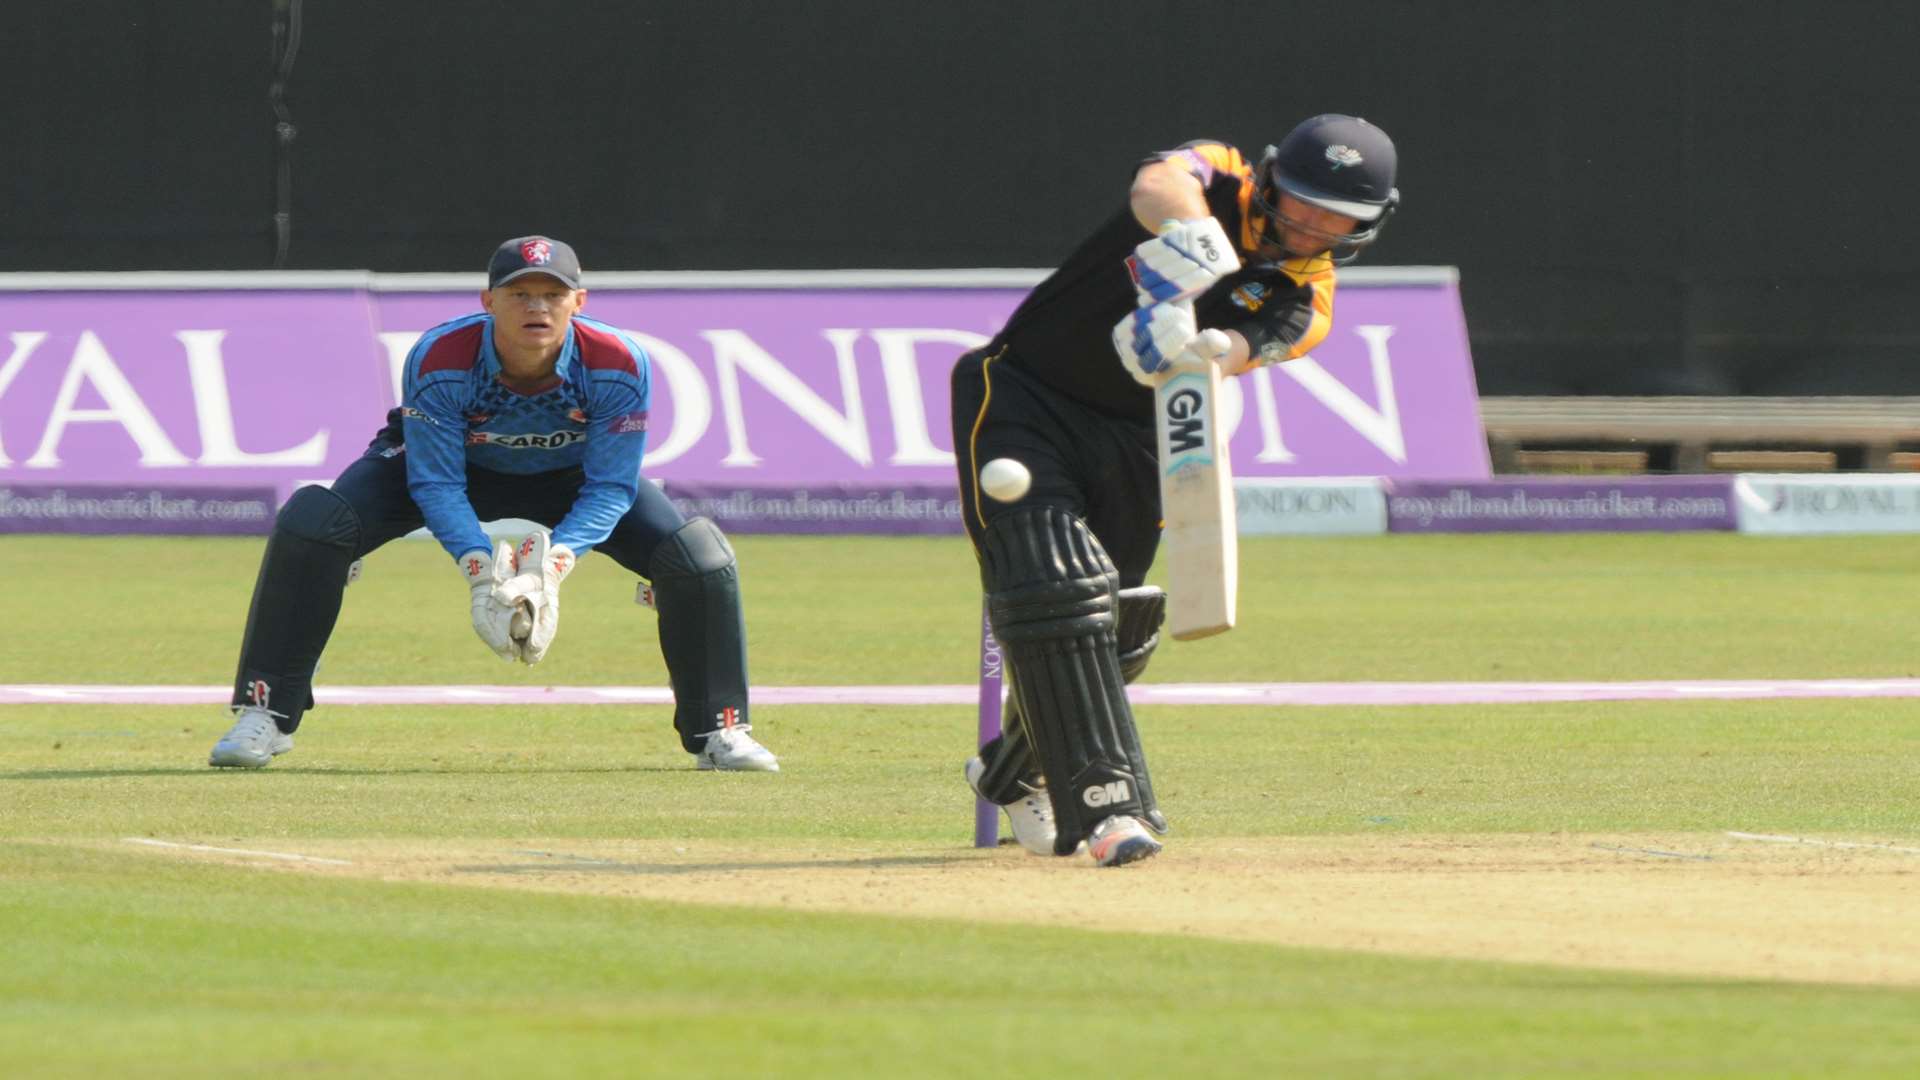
(1011, 769)
(296, 601)
(703, 632)
(1051, 594)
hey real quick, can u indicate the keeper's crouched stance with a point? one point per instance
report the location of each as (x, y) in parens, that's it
(528, 410)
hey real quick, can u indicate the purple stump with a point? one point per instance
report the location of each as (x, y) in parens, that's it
(986, 816)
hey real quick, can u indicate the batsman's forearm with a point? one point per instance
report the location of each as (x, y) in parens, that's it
(1239, 359)
(1164, 191)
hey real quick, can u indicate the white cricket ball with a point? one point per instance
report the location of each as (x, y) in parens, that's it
(522, 626)
(1005, 479)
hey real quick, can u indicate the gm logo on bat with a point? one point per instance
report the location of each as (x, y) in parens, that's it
(1188, 441)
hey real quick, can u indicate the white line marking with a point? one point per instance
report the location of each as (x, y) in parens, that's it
(236, 851)
(649, 694)
(1820, 843)
(1180, 694)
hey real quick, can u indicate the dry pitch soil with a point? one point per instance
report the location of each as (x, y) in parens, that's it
(1829, 909)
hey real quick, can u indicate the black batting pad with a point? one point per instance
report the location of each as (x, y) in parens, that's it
(1052, 595)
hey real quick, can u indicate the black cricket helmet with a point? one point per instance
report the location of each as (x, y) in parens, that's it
(1335, 162)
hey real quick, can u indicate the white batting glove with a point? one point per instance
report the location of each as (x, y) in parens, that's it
(543, 566)
(488, 576)
(1150, 339)
(1182, 262)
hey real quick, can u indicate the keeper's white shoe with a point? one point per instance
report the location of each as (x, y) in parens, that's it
(1031, 815)
(733, 750)
(252, 742)
(1121, 839)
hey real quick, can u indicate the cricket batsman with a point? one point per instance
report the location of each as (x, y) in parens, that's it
(525, 409)
(1208, 241)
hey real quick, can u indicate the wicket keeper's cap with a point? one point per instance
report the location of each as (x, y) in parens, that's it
(525, 255)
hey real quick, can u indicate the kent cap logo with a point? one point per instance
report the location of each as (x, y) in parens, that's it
(524, 255)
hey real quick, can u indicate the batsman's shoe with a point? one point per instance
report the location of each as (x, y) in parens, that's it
(1121, 839)
(1031, 815)
(252, 742)
(733, 750)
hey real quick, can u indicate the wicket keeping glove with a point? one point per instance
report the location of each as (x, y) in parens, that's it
(543, 566)
(1182, 262)
(488, 579)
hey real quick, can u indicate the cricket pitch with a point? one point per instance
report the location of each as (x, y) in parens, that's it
(1726, 905)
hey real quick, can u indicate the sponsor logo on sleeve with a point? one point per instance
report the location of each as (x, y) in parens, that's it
(628, 424)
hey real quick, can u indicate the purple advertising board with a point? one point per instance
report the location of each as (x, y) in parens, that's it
(1555, 504)
(805, 406)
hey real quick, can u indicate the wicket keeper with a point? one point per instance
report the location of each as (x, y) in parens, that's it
(525, 409)
(1207, 241)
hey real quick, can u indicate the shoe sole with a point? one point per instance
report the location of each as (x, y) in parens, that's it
(242, 760)
(707, 766)
(1130, 850)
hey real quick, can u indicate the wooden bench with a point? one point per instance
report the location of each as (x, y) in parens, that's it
(1678, 433)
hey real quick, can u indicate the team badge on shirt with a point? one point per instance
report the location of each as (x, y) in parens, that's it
(1250, 296)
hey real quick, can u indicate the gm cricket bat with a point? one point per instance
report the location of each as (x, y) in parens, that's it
(1201, 533)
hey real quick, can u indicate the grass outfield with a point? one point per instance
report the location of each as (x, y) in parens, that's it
(689, 924)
